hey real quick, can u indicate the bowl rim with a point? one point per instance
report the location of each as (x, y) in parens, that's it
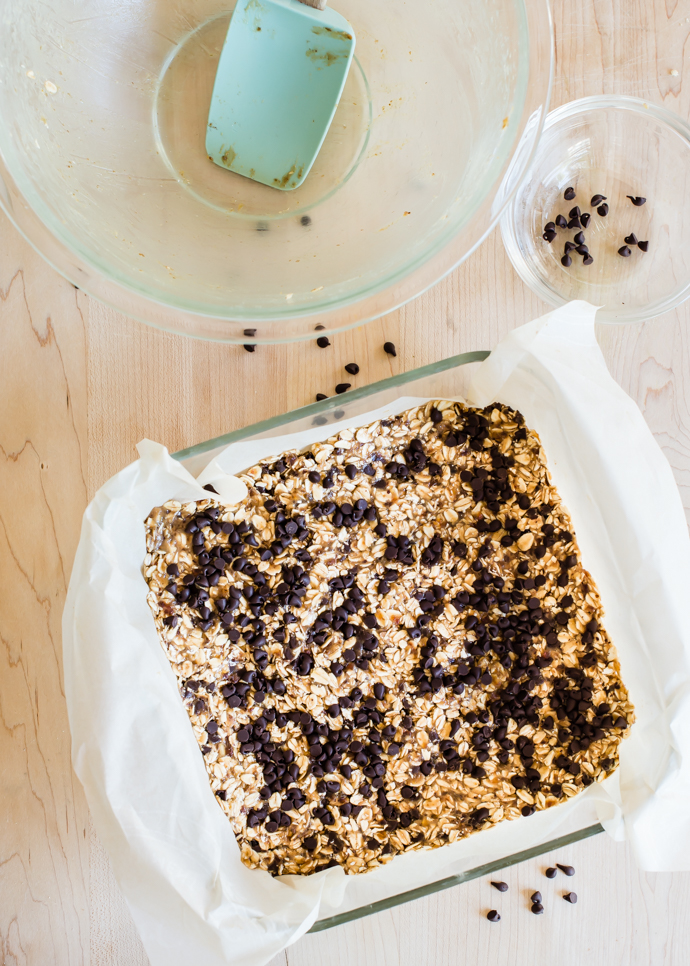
(338, 314)
(509, 234)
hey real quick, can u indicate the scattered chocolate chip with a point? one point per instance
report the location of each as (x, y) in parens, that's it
(566, 261)
(549, 236)
(551, 873)
(569, 194)
(636, 200)
(566, 869)
(643, 245)
(249, 348)
(585, 218)
(570, 897)
(549, 226)
(323, 342)
(493, 916)
(389, 348)
(561, 222)
(536, 897)
(624, 251)
(211, 488)
(320, 396)
(603, 210)
(630, 239)
(579, 239)
(568, 247)
(574, 223)
(597, 200)
(587, 260)
(342, 387)
(352, 368)
(501, 886)
(574, 212)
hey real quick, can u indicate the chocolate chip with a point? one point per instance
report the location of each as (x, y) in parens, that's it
(624, 251)
(537, 908)
(549, 236)
(570, 897)
(342, 387)
(566, 869)
(249, 348)
(528, 810)
(561, 222)
(584, 218)
(551, 873)
(597, 200)
(322, 342)
(574, 223)
(579, 239)
(493, 916)
(250, 333)
(566, 261)
(320, 396)
(643, 246)
(630, 239)
(536, 897)
(352, 368)
(636, 200)
(501, 886)
(549, 226)
(389, 348)
(569, 194)
(603, 210)
(211, 488)
(310, 843)
(568, 247)
(587, 260)
(574, 212)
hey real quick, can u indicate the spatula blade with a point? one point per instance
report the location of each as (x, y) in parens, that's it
(280, 76)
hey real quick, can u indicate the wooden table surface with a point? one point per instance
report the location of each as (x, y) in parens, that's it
(80, 385)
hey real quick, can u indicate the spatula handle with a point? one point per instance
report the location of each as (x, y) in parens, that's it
(319, 4)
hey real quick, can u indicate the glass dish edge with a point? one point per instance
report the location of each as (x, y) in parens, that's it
(331, 404)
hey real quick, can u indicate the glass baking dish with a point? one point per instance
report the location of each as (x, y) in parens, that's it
(448, 378)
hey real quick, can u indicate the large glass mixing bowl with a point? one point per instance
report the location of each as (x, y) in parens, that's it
(103, 108)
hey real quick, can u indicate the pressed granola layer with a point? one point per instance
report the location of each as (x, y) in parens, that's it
(390, 643)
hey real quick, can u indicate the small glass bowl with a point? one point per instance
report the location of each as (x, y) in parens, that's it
(612, 146)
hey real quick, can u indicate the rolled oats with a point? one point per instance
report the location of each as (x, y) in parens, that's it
(390, 643)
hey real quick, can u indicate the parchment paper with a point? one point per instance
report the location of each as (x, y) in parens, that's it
(172, 849)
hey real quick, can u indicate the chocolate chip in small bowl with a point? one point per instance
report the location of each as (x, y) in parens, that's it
(608, 203)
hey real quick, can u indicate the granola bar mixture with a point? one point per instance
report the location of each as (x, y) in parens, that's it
(390, 643)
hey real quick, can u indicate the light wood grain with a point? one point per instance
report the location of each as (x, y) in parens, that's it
(80, 385)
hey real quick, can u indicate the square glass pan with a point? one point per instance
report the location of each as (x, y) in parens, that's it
(448, 378)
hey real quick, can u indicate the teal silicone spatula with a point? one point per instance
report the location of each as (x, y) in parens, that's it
(280, 76)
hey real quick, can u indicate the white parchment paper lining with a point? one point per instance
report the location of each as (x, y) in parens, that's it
(173, 851)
